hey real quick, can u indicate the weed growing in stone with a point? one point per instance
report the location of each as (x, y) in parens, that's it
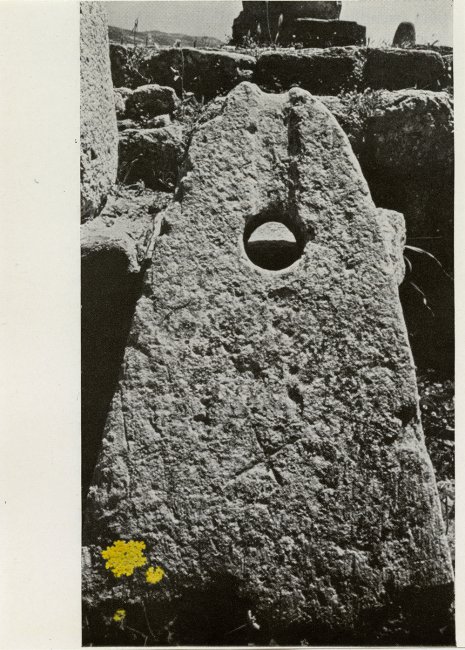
(417, 287)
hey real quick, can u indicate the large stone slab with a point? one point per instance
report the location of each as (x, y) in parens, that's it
(396, 68)
(99, 135)
(310, 32)
(264, 440)
(320, 71)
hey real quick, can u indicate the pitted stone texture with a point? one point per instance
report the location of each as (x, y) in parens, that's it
(404, 141)
(400, 130)
(126, 227)
(412, 130)
(99, 136)
(393, 227)
(121, 96)
(151, 100)
(266, 427)
(151, 155)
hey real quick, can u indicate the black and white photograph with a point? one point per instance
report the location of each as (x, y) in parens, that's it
(235, 425)
(267, 204)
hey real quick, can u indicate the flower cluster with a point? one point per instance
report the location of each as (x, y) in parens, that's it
(123, 557)
(154, 575)
(119, 615)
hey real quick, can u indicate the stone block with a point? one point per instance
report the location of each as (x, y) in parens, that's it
(323, 33)
(151, 100)
(395, 68)
(267, 16)
(152, 156)
(405, 35)
(99, 135)
(320, 71)
(207, 73)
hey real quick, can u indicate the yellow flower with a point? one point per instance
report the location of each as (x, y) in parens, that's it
(154, 575)
(123, 557)
(119, 615)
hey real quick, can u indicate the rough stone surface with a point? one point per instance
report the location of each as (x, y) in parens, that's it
(150, 101)
(393, 69)
(151, 155)
(325, 71)
(408, 158)
(130, 234)
(159, 121)
(404, 129)
(125, 63)
(264, 437)
(412, 130)
(204, 72)
(99, 136)
(125, 124)
(449, 70)
(393, 228)
(115, 248)
(404, 141)
(121, 96)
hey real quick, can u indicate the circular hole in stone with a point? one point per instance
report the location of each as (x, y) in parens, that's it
(272, 245)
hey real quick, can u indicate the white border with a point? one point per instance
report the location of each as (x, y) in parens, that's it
(39, 324)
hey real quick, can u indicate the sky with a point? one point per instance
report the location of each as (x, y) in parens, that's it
(432, 18)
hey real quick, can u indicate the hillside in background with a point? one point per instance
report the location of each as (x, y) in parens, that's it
(163, 39)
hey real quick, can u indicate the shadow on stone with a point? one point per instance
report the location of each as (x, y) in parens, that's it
(108, 299)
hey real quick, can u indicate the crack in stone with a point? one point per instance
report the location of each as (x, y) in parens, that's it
(123, 417)
(267, 462)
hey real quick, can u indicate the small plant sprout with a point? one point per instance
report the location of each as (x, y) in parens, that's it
(251, 620)
(251, 623)
(268, 19)
(409, 266)
(134, 31)
(280, 22)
